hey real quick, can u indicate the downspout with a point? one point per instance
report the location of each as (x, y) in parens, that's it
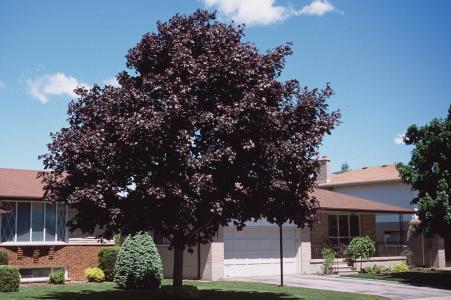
(199, 275)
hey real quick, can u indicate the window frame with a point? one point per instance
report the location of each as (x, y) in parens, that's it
(338, 236)
(388, 233)
(42, 279)
(30, 241)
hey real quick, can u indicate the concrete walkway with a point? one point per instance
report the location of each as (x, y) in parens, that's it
(391, 290)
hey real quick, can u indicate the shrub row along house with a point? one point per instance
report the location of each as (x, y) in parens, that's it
(34, 234)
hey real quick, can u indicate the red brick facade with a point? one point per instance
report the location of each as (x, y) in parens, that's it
(76, 258)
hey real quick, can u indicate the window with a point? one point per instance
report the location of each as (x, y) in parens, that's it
(342, 228)
(159, 239)
(38, 273)
(33, 222)
(393, 238)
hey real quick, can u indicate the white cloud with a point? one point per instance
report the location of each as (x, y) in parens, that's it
(111, 81)
(399, 139)
(318, 8)
(2, 85)
(53, 85)
(264, 12)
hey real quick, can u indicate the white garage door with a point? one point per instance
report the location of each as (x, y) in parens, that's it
(254, 251)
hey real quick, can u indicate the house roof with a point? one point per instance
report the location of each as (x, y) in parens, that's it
(24, 184)
(20, 184)
(384, 173)
(333, 201)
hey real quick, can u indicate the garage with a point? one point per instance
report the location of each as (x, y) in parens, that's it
(254, 251)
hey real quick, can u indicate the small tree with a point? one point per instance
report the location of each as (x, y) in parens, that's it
(328, 257)
(361, 247)
(429, 173)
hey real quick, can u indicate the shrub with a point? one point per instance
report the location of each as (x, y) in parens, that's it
(361, 247)
(9, 279)
(401, 267)
(107, 261)
(186, 292)
(328, 257)
(138, 263)
(3, 258)
(94, 275)
(375, 269)
(56, 277)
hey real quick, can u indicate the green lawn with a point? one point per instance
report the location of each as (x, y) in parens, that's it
(209, 290)
(422, 277)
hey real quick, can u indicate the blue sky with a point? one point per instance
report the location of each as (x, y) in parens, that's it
(388, 61)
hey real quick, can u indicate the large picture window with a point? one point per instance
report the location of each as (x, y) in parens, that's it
(33, 222)
(342, 228)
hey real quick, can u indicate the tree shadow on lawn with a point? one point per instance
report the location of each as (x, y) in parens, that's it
(436, 279)
(209, 294)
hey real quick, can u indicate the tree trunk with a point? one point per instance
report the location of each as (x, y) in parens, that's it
(178, 267)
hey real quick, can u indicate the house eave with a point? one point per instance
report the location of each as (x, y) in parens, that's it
(381, 211)
(353, 183)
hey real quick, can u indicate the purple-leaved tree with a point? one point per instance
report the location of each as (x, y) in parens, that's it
(200, 135)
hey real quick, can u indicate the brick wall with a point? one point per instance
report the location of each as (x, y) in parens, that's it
(320, 230)
(76, 258)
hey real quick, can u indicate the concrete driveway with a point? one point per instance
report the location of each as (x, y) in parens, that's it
(391, 290)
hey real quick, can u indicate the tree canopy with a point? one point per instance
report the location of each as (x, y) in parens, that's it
(344, 168)
(429, 173)
(200, 133)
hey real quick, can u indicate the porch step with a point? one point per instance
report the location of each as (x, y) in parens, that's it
(343, 268)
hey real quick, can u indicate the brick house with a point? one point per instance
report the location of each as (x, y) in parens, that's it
(383, 184)
(34, 235)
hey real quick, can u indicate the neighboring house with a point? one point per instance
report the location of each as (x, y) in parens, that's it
(383, 184)
(34, 235)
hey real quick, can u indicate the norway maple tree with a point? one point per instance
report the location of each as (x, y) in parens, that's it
(200, 133)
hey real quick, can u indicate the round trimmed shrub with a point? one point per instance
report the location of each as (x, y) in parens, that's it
(94, 275)
(9, 279)
(138, 263)
(186, 292)
(56, 277)
(107, 261)
(3, 258)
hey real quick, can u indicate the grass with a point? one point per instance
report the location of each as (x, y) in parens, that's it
(420, 277)
(208, 290)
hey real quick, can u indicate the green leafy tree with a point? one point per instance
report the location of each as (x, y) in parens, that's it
(344, 168)
(361, 247)
(429, 173)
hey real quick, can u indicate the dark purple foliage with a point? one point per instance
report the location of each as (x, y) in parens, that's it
(202, 134)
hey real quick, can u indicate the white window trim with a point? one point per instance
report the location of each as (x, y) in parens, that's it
(36, 243)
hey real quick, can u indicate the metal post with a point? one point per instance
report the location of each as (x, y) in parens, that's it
(281, 255)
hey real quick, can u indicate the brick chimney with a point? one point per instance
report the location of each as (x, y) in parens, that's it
(325, 173)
